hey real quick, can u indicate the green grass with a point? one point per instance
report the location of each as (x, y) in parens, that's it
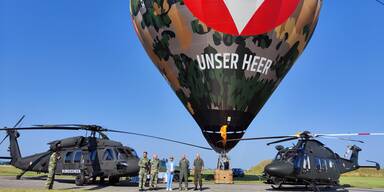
(8, 170)
(259, 168)
(365, 173)
(363, 182)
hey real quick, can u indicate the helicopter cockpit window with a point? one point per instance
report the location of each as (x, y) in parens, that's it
(290, 156)
(321, 164)
(278, 156)
(330, 164)
(68, 157)
(298, 160)
(318, 164)
(133, 152)
(77, 157)
(307, 162)
(324, 165)
(129, 153)
(108, 155)
(121, 154)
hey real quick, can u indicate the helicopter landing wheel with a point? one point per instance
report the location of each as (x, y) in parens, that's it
(314, 187)
(113, 180)
(278, 183)
(102, 180)
(80, 180)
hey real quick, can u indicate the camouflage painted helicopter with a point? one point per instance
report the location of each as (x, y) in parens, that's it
(86, 157)
(309, 162)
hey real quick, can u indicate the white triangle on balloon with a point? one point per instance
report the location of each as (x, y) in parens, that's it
(242, 11)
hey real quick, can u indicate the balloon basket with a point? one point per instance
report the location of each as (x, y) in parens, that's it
(223, 176)
(223, 173)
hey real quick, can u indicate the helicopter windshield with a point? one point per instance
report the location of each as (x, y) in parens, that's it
(122, 154)
(286, 155)
(133, 152)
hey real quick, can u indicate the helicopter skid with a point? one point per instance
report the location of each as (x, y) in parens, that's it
(277, 183)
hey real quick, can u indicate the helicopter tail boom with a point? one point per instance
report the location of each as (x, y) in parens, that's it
(14, 146)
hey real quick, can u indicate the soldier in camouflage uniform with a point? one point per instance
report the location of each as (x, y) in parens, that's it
(144, 169)
(155, 165)
(55, 156)
(198, 167)
(184, 168)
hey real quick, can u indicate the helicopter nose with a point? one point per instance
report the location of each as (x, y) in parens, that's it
(133, 165)
(279, 168)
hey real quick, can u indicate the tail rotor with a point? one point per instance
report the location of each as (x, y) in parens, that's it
(15, 126)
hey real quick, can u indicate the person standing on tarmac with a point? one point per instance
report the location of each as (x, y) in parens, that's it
(143, 172)
(55, 156)
(155, 165)
(184, 169)
(198, 167)
(170, 172)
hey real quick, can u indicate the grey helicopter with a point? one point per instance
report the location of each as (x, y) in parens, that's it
(85, 157)
(309, 162)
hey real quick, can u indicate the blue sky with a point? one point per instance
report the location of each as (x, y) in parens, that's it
(70, 61)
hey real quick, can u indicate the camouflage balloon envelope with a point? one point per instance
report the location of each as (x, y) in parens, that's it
(223, 58)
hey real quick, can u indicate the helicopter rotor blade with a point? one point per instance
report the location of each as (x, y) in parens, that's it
(15, 126)
(353, 140)
(283, 140)
(99, 129)
(341, 138)
(350, 134)
(156, 137)
(41, 128)
(18, 122)
(80, 126)
(4, 139)
(61, 125)
(257, 138)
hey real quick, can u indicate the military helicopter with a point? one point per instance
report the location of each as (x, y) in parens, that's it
(309, 162)
(86, 157)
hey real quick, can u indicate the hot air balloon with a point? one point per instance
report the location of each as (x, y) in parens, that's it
(224, 58)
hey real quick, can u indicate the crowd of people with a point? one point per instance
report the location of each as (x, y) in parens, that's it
(151, 167)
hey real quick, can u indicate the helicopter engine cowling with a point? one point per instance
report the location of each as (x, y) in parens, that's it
(70, 142)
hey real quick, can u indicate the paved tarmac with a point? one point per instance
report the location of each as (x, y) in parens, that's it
(124, 186)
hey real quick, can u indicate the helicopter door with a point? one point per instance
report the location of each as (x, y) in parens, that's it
(92, 162)
(69, 167)
(108, 163)
(77, 157)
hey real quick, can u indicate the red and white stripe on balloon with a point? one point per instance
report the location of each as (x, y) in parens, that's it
(242, 17)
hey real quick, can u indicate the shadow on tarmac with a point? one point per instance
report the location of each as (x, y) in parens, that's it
(296, 188)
